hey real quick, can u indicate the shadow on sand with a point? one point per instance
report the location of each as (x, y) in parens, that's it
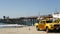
(55, 31)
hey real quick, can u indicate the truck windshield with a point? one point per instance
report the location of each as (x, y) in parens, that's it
(42, 22)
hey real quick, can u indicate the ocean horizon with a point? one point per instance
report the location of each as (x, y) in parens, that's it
(4, 25)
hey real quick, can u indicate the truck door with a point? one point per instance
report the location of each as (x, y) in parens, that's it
(42, 24)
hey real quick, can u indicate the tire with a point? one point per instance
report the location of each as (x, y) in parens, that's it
(47, 30)
(37, 28)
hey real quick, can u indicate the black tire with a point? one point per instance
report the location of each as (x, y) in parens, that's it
(47, 30)
(37, 28)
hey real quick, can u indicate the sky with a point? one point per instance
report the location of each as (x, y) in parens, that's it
(24, 8)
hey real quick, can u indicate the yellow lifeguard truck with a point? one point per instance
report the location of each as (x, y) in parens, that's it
(47, 24)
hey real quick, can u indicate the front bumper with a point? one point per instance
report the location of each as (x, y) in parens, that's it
(54, 28)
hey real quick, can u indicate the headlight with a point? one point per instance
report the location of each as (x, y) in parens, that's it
(36, 24)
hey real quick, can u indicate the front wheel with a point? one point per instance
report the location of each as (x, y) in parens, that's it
(37, 28)
(47, 30)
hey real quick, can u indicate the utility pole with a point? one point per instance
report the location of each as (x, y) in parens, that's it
(56, 12)
(39, 14)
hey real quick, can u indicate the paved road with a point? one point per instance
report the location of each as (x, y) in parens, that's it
(22, 30)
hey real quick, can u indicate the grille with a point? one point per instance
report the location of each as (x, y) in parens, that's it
(56, 25)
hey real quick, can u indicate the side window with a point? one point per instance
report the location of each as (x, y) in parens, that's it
(56, 20)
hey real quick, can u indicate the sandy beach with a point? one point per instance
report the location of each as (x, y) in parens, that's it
(22, 30)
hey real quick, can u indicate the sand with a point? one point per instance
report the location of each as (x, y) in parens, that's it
(22, 30)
